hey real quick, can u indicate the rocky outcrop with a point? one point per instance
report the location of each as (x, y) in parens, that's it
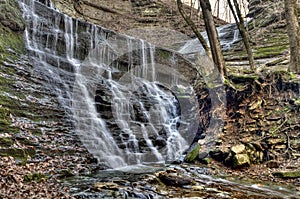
(260, 124)
(156, 21)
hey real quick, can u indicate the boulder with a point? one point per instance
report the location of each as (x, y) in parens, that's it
(174, 179)
(240, 160)
(238, 149)
(193, 153)
(219, 154)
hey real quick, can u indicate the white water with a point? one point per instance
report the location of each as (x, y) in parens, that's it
(194, 45)
(124, 135)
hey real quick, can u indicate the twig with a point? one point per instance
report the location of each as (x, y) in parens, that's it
(280, 125)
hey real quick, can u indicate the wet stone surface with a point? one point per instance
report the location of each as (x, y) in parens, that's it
(182, 181)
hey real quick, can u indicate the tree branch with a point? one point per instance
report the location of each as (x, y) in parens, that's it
(189, 21)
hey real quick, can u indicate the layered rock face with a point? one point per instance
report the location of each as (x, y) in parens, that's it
(10, 17)
(156, 21)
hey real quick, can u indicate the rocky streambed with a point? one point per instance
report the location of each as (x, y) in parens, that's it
(174, 181)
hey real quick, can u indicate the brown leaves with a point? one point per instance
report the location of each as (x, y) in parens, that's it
(13, 185)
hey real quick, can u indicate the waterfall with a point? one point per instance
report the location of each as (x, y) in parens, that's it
(127, 104)
(228, 35)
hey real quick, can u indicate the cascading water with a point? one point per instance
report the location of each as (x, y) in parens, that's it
(128, 104)
(228, 35)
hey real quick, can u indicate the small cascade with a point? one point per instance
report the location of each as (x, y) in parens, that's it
(129, 101)
(228, 35)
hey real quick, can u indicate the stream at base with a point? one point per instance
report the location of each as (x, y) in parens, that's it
(189, 182)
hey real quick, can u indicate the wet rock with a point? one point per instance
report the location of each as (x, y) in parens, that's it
(193, 153)
(202, 155)
(66, 173)
(198, 188)
(240, 160)
(287, 174)
(99, 186)
(174, 179)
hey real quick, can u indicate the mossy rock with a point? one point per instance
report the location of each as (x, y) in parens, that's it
(287, 174)
(270, 51)
(5, 120)
(193, 153)
(6, 142)
(163, 54)
(35, 177)
(240, 161)
(19, 155)
(206, 160)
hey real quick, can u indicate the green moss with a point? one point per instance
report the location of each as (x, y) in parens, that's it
(10, 40)
(287, 174)
(6, 142)
(192, 155)
(270, 51)
(163, 53)
(19, 155)
(278, 40)
(35, 177)
(206, 161)
(5, 121)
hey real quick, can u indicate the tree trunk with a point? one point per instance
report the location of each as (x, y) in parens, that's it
(189, 21)
(243, 31)
(212, 33)
(291, 16)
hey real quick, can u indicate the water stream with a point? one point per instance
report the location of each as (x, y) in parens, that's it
(228, 35)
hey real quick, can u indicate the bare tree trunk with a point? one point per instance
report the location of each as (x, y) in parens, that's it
(293, 31)
(193, 26)
(213, 37)
(243, 31)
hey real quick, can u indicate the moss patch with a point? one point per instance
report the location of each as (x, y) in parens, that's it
(10, 40)
(192, 155)
(270, 51)
(19, 155)
(287, 174)
(162, 54)
(6, 142)
(35, 177)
